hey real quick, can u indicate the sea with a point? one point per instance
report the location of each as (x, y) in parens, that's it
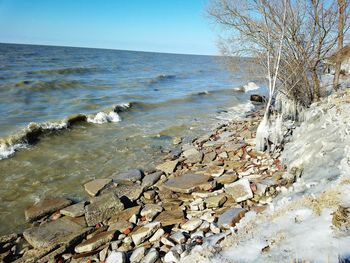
(69, 115)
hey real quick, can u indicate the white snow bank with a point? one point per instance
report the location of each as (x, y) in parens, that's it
(298, 223)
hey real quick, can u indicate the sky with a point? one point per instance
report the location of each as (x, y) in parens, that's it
(174, 26)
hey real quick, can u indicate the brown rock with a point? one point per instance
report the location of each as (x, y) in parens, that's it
(231, 217)
(188, 183)
(168, 167)
(45, 207)
(95, 186)
(172, 217)
(95, 242)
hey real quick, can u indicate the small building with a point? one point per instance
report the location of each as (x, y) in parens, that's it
(344, 56)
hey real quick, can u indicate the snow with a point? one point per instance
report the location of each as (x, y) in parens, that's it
(298, 223)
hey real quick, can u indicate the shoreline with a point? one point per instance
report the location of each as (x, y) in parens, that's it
(196, 196)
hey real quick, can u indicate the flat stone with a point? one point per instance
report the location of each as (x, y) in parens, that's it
(102, 208)
(128, 177)
(168, 167)
(121, 226)
(209, 157)
(172, 217)
(75, 210)
(144, 232)
(60, 231)
(166, 242)
(150, 211)
(150, 195)
(116, 257)
(233, 165)
(178, 237)
(231, 217)
(192, 224)
(45, 207)
(227, 178)
(95, 186)
(151, 257)
(132, 192)
(240, 190)
(215, 201)
(125, 215)
(193, 155)
(94, 242)
(151, 179)
(157, 235)
(215, 171)
(137, 255)
(188, 183)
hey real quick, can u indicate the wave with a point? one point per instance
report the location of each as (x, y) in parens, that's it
(161, 78)
(62, 71)
(41, 86)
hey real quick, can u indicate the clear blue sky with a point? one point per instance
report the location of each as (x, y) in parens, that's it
(176, 26)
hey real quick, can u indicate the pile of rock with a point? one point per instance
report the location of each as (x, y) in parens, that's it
(193, 198)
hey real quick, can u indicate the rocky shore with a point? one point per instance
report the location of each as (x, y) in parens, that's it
(192, 199)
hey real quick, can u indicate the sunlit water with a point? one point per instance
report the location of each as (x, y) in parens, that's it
(163, 96)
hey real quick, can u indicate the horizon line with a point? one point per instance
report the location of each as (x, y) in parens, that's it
(102, 48)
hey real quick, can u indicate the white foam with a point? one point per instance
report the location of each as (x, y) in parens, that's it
(250, 86)
(238, 112)
(7, 150)
(103, 117)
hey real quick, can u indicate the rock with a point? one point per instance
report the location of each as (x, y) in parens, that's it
(233, 165)
(150, 211)
(137, 255)
(256, 98)
(227, 178)
(172, 257)
(45, 207)
(95, 186)
(168, 167)
(121, 226)
(240, 190)
(125, 215)
(215, 171)
(102, 208)
(144, 232)
(171, 217)
(177, 140)
(209, 157)
(223, 155)
(192, 224)
(116, 257)
(151, 179)
(157, 235)
(151, 256)
(149, 195)
(103, 254)
(60, 231)
(231, 217)
(215, 201)
(130, 192)
(75, 210)
(167, 242)
(178, 237)
(188, 183)
(193, 155)
(94, 242)
(197, 205)
(131, 176)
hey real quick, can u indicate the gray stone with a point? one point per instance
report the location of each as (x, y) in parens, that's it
(137, 255)
(75, 210)
(45, 207)
(60, 231)
(144, 232)
(167, 242)
(193, 155)
(231, 217)
(151, 256)
(240, 190)
(95, 186)
(157, 235)
(188, 183)
(150, 211)
(94, 242)
(172, 257)
(102, 208)
(132, 192)
(116, 257)
(178, 237)
(151, 179)
(168, 167)
(121, 226)
(192, 224)
(129, 177)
